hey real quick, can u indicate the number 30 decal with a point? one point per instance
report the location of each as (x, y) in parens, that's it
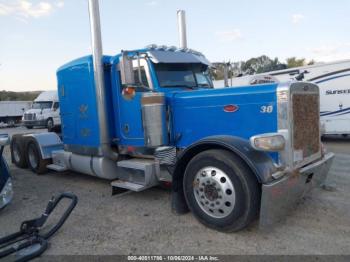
(266, 109)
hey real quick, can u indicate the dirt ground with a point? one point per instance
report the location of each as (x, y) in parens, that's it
(142, 223)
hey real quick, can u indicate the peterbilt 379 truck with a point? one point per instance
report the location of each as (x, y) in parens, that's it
(148, 116)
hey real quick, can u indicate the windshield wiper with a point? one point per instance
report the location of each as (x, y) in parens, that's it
(203, 85)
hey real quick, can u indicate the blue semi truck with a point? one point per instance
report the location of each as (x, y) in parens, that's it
(148, 116)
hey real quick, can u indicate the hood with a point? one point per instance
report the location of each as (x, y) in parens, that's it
(230, 111)
(37, 111)
(33, 111)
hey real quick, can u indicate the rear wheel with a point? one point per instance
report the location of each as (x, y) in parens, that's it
(35, 161)
(221, 190)
(17, 148)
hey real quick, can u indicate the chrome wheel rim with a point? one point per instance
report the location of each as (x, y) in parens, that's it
(32, 157)
(214, 192)
(16, 154)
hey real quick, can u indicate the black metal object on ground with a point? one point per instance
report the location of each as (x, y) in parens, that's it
(28, 242)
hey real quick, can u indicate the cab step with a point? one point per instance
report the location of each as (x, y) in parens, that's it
(57, 168)
(136, 174)
(128, 185)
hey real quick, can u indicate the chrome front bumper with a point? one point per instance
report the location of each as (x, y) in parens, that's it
(280, 196)
(34, 122)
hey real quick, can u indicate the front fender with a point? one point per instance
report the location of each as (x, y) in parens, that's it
(259, 162)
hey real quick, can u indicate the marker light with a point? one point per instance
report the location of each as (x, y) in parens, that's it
(128, 92)
(268, 142)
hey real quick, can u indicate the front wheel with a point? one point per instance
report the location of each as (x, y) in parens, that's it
(50, 125)
(221, 191)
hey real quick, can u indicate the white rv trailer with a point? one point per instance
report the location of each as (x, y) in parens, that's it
(333, 80)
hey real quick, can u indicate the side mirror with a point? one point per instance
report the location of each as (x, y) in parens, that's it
(126, 70)
(4, 139)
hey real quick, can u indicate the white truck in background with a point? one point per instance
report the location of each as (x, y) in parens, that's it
(45, 112)
(333, 80)
(11, 112)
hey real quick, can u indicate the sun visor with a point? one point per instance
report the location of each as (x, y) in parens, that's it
(157, 56)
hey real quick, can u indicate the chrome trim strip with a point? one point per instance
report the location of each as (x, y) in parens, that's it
(283, 122)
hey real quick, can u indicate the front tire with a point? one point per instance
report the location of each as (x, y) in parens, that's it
(35, 161)
(50, 125)
(221, 190)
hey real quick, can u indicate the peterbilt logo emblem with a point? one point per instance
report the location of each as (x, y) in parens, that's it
(230, 108)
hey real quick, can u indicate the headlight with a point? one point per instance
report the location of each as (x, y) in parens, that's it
(6, 193)
(268, 142)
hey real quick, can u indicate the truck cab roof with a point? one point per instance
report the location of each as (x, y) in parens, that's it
(157, 54)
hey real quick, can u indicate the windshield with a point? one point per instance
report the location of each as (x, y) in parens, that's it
(42, 105)
(183, 75)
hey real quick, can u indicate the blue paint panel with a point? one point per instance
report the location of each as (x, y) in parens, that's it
(77, 97)
(200, 113)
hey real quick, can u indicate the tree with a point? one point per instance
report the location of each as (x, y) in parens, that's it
(295, 62)
(261, 64)
(311, 62)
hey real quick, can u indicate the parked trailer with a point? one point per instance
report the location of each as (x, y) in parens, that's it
(151, 115)
(333, 80)
(11, 111)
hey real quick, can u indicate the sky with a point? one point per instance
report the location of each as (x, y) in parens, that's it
(36, 37)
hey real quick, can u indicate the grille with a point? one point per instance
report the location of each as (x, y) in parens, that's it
(306, 140)
(29, 116)
(166, 155)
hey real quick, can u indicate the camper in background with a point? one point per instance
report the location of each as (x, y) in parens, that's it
(45, 112)
(333, 80)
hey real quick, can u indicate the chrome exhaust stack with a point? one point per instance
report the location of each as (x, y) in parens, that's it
(97, 56)
(181, 23)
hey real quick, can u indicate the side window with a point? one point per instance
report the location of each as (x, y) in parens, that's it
(201, 79)
(56, 105)
(144, 81)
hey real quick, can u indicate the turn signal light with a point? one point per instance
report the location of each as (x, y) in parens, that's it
(128, 92)
(268, 142)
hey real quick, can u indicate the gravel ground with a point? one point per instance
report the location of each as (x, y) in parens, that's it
(142, 223)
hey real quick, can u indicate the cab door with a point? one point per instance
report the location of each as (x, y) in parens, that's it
(130, 115)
